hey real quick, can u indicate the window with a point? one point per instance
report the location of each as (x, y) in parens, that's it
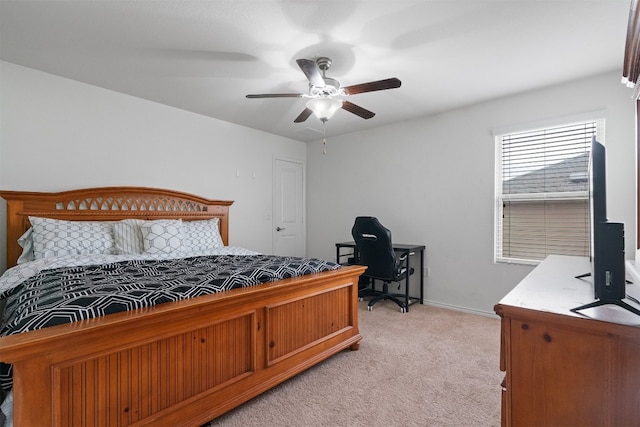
(542, 191)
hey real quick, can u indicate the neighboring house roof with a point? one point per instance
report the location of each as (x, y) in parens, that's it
(568, 175)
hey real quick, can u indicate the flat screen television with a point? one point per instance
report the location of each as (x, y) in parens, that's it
(607, 239)
(597, 186)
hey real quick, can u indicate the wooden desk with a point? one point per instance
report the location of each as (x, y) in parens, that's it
(351, 257)
(562, 368)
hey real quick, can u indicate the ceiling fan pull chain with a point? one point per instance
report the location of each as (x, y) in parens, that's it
(324, 137)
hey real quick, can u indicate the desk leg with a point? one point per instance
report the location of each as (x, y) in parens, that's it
(407, 298)
(422, 276)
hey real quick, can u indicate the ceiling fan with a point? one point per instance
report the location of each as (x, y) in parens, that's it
(324, 92)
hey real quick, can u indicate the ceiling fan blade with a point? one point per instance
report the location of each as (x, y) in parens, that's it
(275, 95)
(357, 110)
(391, 83)
(303, 116)
(311, 70)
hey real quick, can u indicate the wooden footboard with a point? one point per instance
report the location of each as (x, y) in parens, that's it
(181, 363)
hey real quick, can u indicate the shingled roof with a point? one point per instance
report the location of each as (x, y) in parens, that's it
(568, 175)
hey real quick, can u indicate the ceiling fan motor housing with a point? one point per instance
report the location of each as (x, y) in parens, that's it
(331, 88)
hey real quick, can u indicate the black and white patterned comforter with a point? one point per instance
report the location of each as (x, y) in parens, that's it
(67, 294)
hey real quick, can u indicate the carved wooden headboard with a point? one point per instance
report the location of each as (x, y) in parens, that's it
(107, 204)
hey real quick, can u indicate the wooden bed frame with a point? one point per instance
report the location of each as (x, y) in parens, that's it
(181, 363)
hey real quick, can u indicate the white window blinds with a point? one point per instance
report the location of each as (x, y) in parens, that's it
(542, 192)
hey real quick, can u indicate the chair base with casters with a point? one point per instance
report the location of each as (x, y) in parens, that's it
(369, 290)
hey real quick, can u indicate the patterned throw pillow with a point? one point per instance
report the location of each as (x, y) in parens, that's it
(128, 236)
(162, 236)
(55, 237)
(201, 236)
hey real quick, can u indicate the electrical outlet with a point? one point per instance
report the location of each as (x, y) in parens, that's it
(427, 272)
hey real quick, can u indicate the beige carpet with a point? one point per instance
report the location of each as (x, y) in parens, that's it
(428, 367)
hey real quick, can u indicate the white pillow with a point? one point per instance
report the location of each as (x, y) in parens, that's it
(56, 237)
(162, 236)
(201, 236)
(128, 236)
(26, 242)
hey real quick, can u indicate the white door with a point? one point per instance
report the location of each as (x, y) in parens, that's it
(288, 210)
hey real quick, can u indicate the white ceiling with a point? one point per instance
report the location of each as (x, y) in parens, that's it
(205, 56)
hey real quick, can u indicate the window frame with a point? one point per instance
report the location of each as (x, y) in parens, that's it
(599, 117)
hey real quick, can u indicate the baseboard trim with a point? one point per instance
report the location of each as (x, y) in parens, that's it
(460, 308)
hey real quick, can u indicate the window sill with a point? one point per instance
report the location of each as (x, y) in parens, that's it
(516, 261)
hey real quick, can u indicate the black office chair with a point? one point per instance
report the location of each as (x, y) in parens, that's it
(374, 250)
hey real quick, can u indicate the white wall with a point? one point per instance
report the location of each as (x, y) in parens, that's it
(431, 181)
(57, 134)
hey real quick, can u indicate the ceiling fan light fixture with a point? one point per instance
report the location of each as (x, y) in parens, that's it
(324, 108)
